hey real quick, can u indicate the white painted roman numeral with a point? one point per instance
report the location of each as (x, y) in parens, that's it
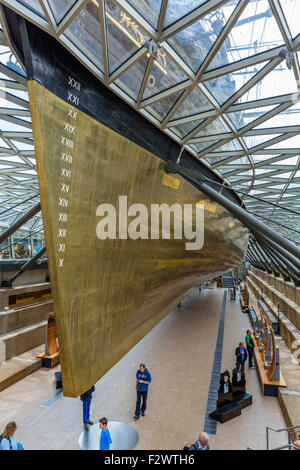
(66, 173)
(72, 114)
(62, 217)
(66, 157)
(73, 83)
(63, 202)
(74, 99)
(65, 188)
(69, 128)
(62, 232)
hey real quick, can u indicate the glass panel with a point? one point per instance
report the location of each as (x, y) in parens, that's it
(242, 118)
(253, 140)
(233, 145)
(164, 75)
(203, 145)
(289, 117)
(160, 109)
(124, 37)
(194, 104)
(33, 5)
(215, 127)
(12, 127)
(84, 32)
(60, 8)
(213, 160)
(222, 88)
(149, 9)
(177, 9)
(292, 142)
(280, 81)
(194, 42)
(255, 31)
(131, 80)
(8, 59)
(184, 129)
(22, 145)
(291, 9)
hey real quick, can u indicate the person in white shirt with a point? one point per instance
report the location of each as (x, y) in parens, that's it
(201, 444)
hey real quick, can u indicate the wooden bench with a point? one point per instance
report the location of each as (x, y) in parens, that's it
(268, 387)
(252, 316)
(273, 321)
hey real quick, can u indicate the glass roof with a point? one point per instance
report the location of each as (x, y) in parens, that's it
(223, 82)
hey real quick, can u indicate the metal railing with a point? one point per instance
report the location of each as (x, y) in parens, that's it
(286, 446)
(288, 430)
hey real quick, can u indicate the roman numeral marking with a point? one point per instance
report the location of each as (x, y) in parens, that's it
(61, 263)
(73, 83)
(62, 217)
(62, 247)
(72, 114)
(67, 142)
(74, 99)
(69, 128)
(62, 232)
(63, 202)
(65, 188)
(66, 157)
(66, 173)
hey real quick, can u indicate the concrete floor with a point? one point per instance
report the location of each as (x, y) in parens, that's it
(179, 354)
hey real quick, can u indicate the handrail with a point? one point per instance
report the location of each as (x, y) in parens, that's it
(288, 430)
(286, 446)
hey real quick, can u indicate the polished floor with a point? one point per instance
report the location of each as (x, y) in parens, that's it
(179, 353)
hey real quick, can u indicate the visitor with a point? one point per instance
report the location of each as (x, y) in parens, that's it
(105, 439)
(8, 440)
(200, 444)
(297, 444)
(86, 399)
(241, 356)
(143, 379)
(234, 293)
(250, 348)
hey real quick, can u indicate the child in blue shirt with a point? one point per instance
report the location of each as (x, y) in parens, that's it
(105, 439)
(7, 439)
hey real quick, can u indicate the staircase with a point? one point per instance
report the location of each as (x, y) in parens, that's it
(291, 435)
(22, 331)
(227, 280)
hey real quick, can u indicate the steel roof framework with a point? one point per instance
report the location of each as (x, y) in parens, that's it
(238, 137)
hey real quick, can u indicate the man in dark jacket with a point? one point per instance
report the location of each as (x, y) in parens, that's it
(143, 378)
(86, 399)
(241, 356)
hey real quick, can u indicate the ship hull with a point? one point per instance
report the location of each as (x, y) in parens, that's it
(91, 148)
(109, 293)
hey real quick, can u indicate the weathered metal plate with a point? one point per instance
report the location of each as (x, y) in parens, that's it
(109, 293)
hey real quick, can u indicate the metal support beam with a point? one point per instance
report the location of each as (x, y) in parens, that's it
(28, 215)
(25, 266)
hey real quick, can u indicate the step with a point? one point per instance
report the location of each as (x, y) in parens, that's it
(19, 367)
(14, 295)
(13, 319)
(21, 340)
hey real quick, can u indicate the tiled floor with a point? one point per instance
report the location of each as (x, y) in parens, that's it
(179, 354)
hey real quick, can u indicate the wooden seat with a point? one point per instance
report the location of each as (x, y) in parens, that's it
(268, 387)
(272, 320)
